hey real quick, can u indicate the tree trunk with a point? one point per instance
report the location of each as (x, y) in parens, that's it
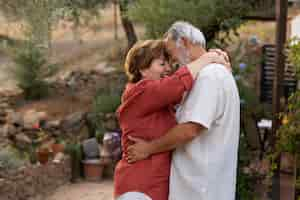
(127, 25)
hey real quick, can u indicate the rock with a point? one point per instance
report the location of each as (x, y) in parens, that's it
(110, 115)
(22, 140)
(52, 125)
(4, 105)
(110, 125)
(2, 112)
(2, 120)
(90, 148)
(14, 118)
(2, 133)
(104, 68)
(56, 133)
(9, 130)
(33, 117)
(73, 122)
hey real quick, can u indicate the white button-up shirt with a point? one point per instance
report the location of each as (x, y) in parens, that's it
(205, 168)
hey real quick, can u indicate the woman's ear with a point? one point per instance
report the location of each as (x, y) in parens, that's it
(144, 72)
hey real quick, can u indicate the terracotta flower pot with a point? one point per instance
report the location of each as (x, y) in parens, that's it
(287, 162)
(93, 169)
(57, 148)
(43, 156)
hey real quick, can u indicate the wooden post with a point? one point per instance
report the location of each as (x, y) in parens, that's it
(281, 23)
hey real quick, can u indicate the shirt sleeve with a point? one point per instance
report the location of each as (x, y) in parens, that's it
(200, 106)
(167, 91)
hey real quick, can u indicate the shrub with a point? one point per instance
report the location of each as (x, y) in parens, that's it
(212, 16)
(31, 70)
(106, 103)
(294, 54)
(9, 160)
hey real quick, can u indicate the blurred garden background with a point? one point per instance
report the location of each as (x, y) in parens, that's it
(61, 79)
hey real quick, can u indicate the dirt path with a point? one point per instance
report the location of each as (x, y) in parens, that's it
(84, 191)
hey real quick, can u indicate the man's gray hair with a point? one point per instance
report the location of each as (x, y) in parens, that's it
(182, 29)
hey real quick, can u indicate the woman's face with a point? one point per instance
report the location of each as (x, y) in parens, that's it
(159, 68)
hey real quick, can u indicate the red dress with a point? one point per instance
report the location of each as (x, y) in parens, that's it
(147, 112)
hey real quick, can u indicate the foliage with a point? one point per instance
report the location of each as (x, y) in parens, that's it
(9, 160)
(81, 12)
(31, 69)
(38, 17)
(289, 132)
(106, 103)
(294, 54)
(244, 60)
(75, 152)
(18, 9)
(245, 181)
(211, 16)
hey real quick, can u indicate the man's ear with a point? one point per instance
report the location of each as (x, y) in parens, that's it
(185, 42)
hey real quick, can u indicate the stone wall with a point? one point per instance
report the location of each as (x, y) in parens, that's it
(34, 181)
(23, 129)
(20, 129)
(8, 100)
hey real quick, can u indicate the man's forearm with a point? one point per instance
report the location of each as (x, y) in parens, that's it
(179, 135)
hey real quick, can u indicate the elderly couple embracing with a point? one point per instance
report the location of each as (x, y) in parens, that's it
(180, 130)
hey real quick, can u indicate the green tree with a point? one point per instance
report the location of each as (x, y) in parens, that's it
(38, 17)
(211, 16)
(31, 70)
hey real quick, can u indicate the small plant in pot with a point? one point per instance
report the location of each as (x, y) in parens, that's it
(92, 165)
(74, 150)
(43, 154)
(39, 146)
(58, 146)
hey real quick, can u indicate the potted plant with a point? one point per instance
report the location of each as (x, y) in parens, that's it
(92, 165)
(58, 146)
(75, 152)
(43, 155)
(39, 151)
(93, 169)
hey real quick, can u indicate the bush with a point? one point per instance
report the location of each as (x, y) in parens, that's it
(9, 161)
(294, 54)
(75, 152)
(288, 133)
(211, 16)
(31, 70)
(106, 103)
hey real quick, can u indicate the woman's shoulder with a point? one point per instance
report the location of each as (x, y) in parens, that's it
(131, 94)
(133, 89)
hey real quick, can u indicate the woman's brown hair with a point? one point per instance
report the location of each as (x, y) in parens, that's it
(140, 57)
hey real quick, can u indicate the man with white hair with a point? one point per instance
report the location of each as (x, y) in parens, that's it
(206, 139)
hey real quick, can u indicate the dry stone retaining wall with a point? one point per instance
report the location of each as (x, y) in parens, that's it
(31, 182)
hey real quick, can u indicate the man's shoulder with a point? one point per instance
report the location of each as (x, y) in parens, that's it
(212, 69)
(216, 72)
